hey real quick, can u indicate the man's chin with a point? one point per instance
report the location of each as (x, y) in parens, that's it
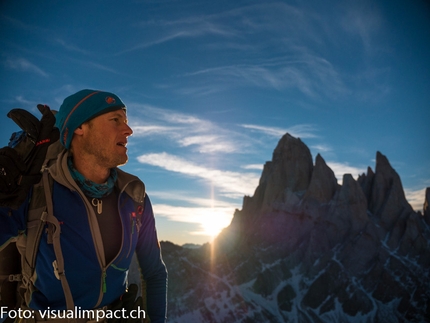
(123, 161)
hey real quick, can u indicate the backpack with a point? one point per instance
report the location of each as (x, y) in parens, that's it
(17, 259)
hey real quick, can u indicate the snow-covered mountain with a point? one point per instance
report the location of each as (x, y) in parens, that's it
(306, 249)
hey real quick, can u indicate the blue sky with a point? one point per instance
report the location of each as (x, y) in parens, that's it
(211, 86)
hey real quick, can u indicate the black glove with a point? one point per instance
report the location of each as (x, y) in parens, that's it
(20, 167)
(129, 302)
(48, 134)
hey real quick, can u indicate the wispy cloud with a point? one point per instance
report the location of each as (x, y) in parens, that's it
(71, 47)
(25, 26)
(185, 130)
(253, 166)
(239, 23)
(416, 198)
(204, 136)
(100, 67)
(152, 43)
(190, 27)
(299, 131)
(24, 65)
(29, 105)
(232, 184)
(45, 33)
(322, 148)
(150, 130)
(312, 75)
(200, 25)
(189, 199)
(274, 47)
(365, 22)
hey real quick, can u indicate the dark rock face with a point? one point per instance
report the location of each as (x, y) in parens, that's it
(323, 183)
(290, 170)
(306, 249)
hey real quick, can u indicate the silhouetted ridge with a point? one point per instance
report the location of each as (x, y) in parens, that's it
(305, 249)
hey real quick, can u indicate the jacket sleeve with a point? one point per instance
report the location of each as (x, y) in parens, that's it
(152, 266)
(12, 223)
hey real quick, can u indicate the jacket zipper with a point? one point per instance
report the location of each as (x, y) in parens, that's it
(104, 287)
(99, 248)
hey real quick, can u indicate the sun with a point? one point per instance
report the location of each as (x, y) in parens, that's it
(213, 220)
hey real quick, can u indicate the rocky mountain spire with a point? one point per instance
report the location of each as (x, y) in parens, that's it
(323, 183)
(290, 170)
(387, 200)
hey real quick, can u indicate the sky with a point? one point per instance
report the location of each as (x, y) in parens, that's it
(211, 87)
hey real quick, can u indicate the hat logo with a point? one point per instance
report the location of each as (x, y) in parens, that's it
(110, 100)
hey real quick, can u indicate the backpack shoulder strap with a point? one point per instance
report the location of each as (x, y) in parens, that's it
(36, 219)
(28, 244)
(40, 216)
(54, 231)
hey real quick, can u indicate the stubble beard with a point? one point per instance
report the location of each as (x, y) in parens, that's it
(102, 156)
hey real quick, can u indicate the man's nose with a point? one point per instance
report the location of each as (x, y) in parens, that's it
(128, 131)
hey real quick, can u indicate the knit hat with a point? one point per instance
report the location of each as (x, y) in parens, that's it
(81, 107)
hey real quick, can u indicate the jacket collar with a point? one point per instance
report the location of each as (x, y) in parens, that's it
(129, 183)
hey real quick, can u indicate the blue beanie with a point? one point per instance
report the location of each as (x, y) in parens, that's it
(81, 107)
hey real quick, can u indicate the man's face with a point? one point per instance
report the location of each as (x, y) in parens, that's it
(105, 139)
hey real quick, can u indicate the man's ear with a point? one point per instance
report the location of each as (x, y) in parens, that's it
(79, 131)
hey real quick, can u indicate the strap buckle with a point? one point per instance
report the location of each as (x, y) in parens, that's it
(15, 278)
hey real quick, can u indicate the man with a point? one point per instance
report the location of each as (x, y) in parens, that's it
(104, 215)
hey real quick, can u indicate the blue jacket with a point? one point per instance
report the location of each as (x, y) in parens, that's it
(93, 282)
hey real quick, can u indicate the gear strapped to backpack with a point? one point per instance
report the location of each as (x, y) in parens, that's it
(22, 166)
(21, 161)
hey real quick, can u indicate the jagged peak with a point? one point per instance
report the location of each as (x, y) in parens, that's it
(350, 190)
(387, 200)
(323, 183)
(382, 163)
(289, 144)
(385, 175)
(292, 163)
(320, 162)
(290, 169)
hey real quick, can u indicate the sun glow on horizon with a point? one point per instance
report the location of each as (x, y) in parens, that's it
(211, 220)
(214, 222)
